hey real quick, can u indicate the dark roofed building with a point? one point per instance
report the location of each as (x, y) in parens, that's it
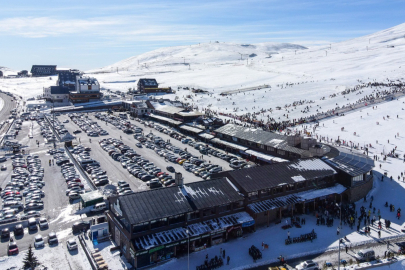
(43, 70)
(207, 194)
(154, 204)
(156, 223)
(262, 141)
(1, 73)
(288, 175)
(354, 169)
(151, 86)
(67, 78)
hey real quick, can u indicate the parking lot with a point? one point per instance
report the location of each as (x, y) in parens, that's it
(115, 170)
(56, 208)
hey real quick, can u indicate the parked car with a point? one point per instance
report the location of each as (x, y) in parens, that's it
(18, 229)
(170, 169)
(52, 238)
(12, 248)
(43, 223)
(5, 233)
(39, 241)
(71, 244)
(80, 226)
(307, 265)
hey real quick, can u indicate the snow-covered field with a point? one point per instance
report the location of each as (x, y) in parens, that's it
(315, 77)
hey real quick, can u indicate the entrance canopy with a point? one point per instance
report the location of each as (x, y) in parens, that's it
(275, 203)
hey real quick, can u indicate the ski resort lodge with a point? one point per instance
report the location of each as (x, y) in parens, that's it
(149, 86)
(71, 86)
(156, 225)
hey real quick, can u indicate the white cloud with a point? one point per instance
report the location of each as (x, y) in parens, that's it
(39, 27)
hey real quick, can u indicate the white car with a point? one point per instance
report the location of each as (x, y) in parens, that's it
(43, 223)
(308, 265)
(71, 244)
(39, 241)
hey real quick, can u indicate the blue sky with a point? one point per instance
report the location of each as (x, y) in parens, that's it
(92, 34)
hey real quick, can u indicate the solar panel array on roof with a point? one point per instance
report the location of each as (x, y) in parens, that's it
(352, 164)
(270, 176)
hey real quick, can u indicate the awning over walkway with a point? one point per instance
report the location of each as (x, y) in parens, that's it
(165, 119)
(191, 129)
(266, 205)
(264, 157)
(198, 230)
(229, 144)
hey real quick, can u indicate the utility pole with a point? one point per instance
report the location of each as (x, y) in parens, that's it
(117, 69)
(330, 46)
(326, 53)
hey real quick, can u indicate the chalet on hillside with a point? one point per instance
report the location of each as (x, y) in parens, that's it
(151, 86)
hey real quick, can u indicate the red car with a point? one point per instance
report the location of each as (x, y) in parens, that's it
(12, 248)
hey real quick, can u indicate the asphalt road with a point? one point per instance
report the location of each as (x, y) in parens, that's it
(7, 107)
(114, 169)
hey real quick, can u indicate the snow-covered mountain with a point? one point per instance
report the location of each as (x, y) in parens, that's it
(215, 53)
(228, 66)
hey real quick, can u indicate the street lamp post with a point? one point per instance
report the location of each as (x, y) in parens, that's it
(340, 228)
(188, 249)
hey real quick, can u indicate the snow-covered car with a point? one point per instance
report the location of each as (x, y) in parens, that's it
(39, 241)
(71, 244)
(308, 265)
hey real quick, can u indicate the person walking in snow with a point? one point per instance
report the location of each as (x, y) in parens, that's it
(288, 235)
(338, 231)
(227, 260)
(223, 253)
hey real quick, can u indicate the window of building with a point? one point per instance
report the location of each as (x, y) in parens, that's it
(238, 205)
(269, 148)
(278, 190)
(253, 195)
(281, 152)
(300, 185)
(290, 187)
(224, 208)
(209, 212)
(193, 215)
(358, 178)
(266, 192)
(176, 219)
(158, 223)
(140, 227)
